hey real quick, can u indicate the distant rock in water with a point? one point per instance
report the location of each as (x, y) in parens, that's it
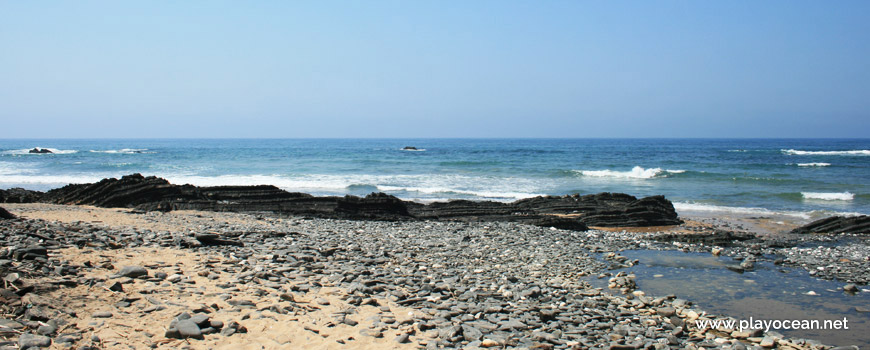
(572, 212)
(5, 215)
(39, 150)
(837, 224)
(410, 148)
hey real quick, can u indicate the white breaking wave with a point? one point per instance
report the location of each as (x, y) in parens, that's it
(422, 187)
(859, 152)
(414, 150)
(122, 151)
(813, 164)
(635, 173)
(682, 207)
(20, 179)
(841, 196)
(53, 151)
(438, 187)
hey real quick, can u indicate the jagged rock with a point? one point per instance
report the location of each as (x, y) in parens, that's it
(837, 224)
(39, 150)
(5, 215)
(572, 212)
(20, 195)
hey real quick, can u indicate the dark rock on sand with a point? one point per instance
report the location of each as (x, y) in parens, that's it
(5, 215)
(215, 239)
(574, 211)
(20, 195)
(837, 224)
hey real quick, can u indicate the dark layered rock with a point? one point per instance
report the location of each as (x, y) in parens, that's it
(20, 195)
(716, 238)
(129, 191)
(569, 212)
(5, 215)
(837, 224)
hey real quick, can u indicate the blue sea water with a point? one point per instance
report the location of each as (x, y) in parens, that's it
(801, 177)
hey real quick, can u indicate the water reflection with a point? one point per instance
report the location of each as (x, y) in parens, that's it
(768, 292)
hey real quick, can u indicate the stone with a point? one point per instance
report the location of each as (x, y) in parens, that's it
(27, 340)
(133, 271)
(850, 288)
(116, 287)
(188, 329)
(201, 320)
(471, 333)
(102, 314)
(47, 329)
(401, 339)
(666, 311)
(767, 342)
(489, 343)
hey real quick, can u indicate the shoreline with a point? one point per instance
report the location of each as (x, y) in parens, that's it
(544, 274)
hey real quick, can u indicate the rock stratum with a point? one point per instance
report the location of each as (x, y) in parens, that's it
(574, 212)
(837, 224)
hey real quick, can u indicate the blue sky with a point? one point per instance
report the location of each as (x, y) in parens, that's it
(84, 69)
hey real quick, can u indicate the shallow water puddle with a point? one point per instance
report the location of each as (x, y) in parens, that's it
(769, 292)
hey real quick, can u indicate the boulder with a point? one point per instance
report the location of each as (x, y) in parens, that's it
(5, 215)
(39, 150)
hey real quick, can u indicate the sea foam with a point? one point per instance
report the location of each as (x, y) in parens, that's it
(858, 152)
(425, 187)
(122, 151)
(813, 164)
(683, 207)
(637, 172)
(826, 196)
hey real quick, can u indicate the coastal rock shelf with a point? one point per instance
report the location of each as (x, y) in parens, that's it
(837, 224)
(573, 212)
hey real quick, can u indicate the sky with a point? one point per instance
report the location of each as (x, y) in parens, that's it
(291, 69)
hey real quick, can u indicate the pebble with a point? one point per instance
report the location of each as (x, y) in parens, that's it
(133, 271)
(27, 340)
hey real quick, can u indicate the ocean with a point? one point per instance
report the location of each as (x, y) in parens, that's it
(805, 178)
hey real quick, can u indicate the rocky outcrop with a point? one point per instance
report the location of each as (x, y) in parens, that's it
(20, 195)
(570, 212)
(129, 191)
(40, 151)
(837, 224)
